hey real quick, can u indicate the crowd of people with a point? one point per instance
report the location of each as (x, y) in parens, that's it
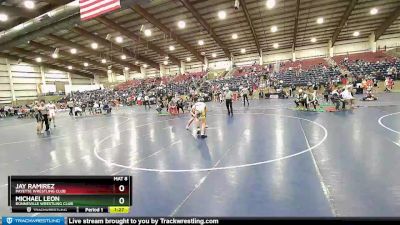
(92, 102)
(188, 93)
(309, 99)
(22, 111)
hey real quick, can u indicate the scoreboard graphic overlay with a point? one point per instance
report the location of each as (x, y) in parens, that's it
(75, 194)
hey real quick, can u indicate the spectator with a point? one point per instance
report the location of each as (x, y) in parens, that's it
(347, 97)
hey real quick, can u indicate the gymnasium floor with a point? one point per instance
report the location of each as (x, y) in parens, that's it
(267, 160)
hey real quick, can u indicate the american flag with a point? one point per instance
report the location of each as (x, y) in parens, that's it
(92, 8)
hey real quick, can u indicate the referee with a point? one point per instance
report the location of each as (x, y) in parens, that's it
(228, 100)
(245, 95)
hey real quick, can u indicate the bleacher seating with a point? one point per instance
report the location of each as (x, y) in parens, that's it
(234, 82)
(305, 64)
(299, 73)
(371, 57)
(177, 84)
(320, 74)
(243, 70)
(130, 83)
(188, 76)
(368, 63)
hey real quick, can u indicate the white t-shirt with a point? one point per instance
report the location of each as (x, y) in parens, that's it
(245, 91)
(228, 94)
(199, 107)
(52, 108)
(346, 94)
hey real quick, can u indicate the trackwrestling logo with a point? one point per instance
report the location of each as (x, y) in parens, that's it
(32, 220)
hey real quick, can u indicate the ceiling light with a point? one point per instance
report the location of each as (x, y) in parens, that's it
(373, 11)
(119, 39)
(70, 67)
(181, 24)
(29, 4)
(123, 57)
(136, 62)
(145, 65)
(166, 57)
(356, 34)
(3, 17)
(188, 59)
(126, 68)
(171, 48)
(85, 64)
(221, 14)
(270, 4)
(38, 59)
(320, 20)
(201, 42)
(313, 40)
(243, 50)
(276, 45)
(234, 36)
(274, 29)
(51, 13)
(73, 51)
(214, 55)
(94, 45)
(104, 61)
(109, 71)
(147, 33)
(165, 62)
(54, 55)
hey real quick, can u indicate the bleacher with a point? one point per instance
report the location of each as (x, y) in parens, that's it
(371, 57)
(320, 74)
(299, 73)
(243, 70)
(235, 82)
(305, 64)
(312, 70)
(188, 76)
(130, 83)
(177, 84)
(368, 63)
